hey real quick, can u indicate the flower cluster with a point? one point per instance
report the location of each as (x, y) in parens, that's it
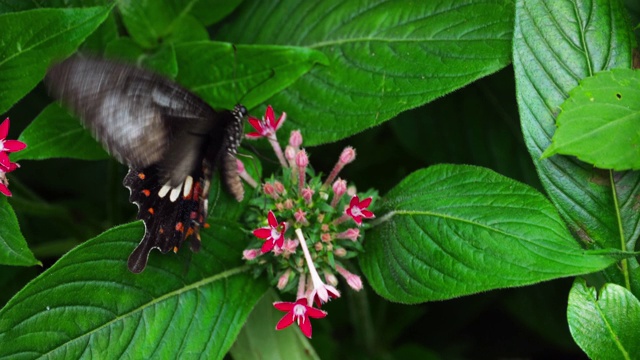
(6, 147)
(305, 229)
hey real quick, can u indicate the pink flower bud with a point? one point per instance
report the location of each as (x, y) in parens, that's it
(250, 254)
(325, 237)
(348, 155)
(302, 160)
(324, 227)
(353, 280)
(295, 139)
(290, 154)
(318, 246)
(349, 234)
(284, 279)
(330, 278)
(339, 187)
(300, 216)
(288, 204)
(307, 194)
(279, 188)
(340, 252)
(268, 189)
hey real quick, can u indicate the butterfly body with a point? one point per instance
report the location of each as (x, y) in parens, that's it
(170, 138)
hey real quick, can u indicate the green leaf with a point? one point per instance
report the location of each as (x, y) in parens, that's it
(221, 72)
(37, 38)
(599, 122)
(385, 57)
(13, 246)
(596, 204)
(187, 305)
(259, 340)
(57, 134)
(151, 22)
(453, 230)
(210, 12)
(605, 323)
(161, 60)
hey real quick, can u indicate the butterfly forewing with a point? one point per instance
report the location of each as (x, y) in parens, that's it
(170, 139)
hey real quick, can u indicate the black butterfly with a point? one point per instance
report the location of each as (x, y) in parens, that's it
(170, 139)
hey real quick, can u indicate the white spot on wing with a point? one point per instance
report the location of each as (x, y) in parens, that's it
(188, 183)
(165, 189)
(175, 193)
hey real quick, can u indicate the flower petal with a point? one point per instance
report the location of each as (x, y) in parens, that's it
(273, 222)
(315, 313)
(4, 129)
(305, 327)
(281, 120)
(267, 246)
(262, 233)
(253, 135)
(270, 117)
(368, 214)
(256, 124)
(284, 305)
(365, 203)
(4, 190)
(4, 160)
(14, 145)
(354, 201)
(286, 320)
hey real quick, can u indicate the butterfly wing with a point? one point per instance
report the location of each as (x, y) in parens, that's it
(140, 117)
(170, 138)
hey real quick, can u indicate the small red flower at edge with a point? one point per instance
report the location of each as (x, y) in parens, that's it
(4, 189)
(7, 146)
(358, 209)
(274, 233)
(299, 312)
(267, 126)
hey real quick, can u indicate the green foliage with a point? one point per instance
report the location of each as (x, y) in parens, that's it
(410, 88)
(598, 122)
(453, 230)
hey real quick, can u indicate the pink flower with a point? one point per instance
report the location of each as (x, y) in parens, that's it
(274, 233)
(7, 146)
(358, 209)
(299, 312)
(4, 183)
(295, 139)
(349, 234)
(250, 254)
(353, 280)
(267, 126)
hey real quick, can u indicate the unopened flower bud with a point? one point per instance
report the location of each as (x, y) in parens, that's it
(295, 139)
(340, 252)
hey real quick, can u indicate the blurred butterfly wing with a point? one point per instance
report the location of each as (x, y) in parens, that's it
(140, 118)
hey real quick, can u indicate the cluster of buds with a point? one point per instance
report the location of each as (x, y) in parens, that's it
(6, 147)
(305, 229)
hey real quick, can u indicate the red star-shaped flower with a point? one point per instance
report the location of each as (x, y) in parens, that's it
(4, 184)
(274, 233)
(299, 312)
(267, 126)
(7, 146)
(358, 209)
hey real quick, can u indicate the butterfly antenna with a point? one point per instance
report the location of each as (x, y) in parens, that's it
(235, 72)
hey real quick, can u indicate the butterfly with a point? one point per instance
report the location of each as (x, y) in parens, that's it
(170, 139)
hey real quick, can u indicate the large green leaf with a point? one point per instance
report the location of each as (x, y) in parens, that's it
(605, 323)
(13, 246)
(89, 305)
(600, 121)
(453, 230)
(33, 39)
(152, 22)
(385, 56)
(57, 134)
(556, 44)
(221, 73)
